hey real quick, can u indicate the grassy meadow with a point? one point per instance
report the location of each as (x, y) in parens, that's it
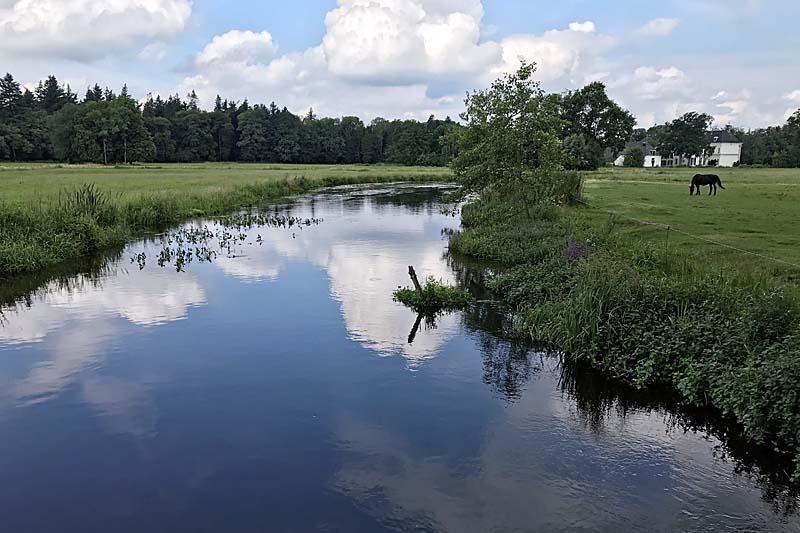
(32, 183)
(53, 213)
(758, 212)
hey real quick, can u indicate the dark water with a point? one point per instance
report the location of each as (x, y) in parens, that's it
(274, 389)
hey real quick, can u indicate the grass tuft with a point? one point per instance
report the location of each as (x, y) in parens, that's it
(436, 297)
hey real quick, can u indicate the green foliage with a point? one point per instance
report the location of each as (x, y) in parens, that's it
(720, 338)
(593, 123)
(110, 129)
(686, 135)
(634, 158)
(775, 146)
(582, 153)
(87, 200)
(512, 138)
(102, 132)
(436, 297)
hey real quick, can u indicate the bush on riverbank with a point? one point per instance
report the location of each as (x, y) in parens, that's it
(84, 220)
(646, 316)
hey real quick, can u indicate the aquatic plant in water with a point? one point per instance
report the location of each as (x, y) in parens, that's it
(203, 244)
(433, 298)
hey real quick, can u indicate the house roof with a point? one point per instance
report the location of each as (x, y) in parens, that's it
(646, 147)
(721, 136)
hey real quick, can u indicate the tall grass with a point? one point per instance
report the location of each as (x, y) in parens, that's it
(83, 220)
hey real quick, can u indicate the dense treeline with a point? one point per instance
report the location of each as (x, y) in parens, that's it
(103, 127)
(777, 146)
(53, 123)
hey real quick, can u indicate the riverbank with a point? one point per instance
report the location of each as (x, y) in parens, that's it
(50, 214)
(645, 312)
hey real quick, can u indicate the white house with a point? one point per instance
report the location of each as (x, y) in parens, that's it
(726, 148)
(652, 158)
(726, 151)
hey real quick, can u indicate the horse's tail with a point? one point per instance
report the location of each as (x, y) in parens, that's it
(719, 182)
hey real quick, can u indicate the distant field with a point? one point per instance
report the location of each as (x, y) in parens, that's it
(26, 183)
(759, 212)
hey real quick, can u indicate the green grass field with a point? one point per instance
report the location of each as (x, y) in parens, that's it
(53, 213)
(36, 182)
(759, 212)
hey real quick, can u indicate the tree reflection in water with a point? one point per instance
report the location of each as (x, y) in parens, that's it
(509, 363)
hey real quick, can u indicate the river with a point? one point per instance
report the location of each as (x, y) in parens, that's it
(269, 384)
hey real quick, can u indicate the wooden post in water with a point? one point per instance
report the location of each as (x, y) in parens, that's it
(413, 274)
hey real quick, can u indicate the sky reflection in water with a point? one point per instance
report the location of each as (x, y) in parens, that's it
(276, 390)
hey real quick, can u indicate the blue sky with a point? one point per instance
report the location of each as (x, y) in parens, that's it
(735, 59)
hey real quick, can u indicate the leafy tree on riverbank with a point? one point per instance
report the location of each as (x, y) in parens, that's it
(512, 138)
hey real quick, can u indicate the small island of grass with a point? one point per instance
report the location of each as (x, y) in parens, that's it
(433, 297)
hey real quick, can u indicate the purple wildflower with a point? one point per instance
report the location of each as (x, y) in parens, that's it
(575, 251)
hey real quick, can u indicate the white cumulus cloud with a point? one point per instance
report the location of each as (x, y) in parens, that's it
(793, 96)
(404, 41)
(238, 47)
(413, 58)
(87, 29)
(586, 27)
(395, 58)
(557, 53)
(660, 27)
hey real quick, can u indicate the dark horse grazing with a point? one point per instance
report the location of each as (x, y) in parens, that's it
(712, 180)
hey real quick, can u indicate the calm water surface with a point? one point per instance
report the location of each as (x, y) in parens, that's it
(275, 389)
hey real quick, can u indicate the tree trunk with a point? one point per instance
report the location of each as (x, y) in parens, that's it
(413, 274)
(125, 143)
(105, 153)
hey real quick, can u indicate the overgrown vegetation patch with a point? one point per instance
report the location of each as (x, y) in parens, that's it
(434, 297)
(647, 316)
